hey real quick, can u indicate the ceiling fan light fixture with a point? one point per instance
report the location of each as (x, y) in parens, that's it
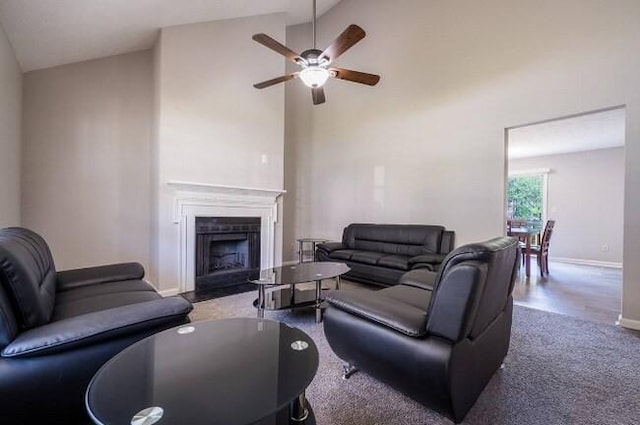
(314, 76)
(314, 63)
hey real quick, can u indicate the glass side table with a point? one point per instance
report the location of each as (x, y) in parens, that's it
(307, 249)
(284, 279)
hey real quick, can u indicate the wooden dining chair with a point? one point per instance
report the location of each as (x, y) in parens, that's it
(516, 224)
(541, 251)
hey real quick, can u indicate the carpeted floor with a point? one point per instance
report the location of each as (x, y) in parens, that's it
(560, 370)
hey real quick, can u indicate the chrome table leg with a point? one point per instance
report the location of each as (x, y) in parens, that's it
(298, 409)
(261, 301)
(318, 301)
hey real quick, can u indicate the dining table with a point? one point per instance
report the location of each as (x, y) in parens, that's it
(525, 233)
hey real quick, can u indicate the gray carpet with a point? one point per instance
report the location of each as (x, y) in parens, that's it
(559, 370)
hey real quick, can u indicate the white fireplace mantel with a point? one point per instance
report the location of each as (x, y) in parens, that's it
(210, 200)
(191, 194)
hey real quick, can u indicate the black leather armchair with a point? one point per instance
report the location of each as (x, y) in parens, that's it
(438, 338)
(58, 328)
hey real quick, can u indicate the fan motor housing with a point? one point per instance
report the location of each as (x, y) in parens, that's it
(312, 57)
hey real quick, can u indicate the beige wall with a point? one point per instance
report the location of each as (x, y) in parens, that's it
(297, 157)
(427, 144)
(585, 219)
(86, 167)
(10, 110)
(212, 125)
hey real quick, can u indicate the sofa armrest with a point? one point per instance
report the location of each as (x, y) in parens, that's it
(94, 327)
(70, 279)
(331, 246)
(386, 311)
(419, 278)
(426, 261)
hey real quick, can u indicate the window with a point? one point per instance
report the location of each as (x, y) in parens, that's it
(527, 195)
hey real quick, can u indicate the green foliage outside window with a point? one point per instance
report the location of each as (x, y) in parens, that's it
(524, 195)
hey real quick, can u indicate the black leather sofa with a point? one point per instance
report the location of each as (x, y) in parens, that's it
(438, 338)
(58, 328)
(380, 253)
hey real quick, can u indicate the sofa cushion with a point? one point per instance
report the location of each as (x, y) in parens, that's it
(97, 326)
(400, 308)
(411, 295)
(28, 275)
(342, 254)
(366, 257)
(400, 262)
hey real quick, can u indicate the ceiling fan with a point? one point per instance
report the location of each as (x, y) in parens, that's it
(315, 63)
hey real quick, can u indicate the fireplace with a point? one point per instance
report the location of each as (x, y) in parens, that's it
(227, 251)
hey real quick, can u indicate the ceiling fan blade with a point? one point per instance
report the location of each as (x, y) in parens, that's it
(274, 81)
(276, 46)
(318, 96)
(354, 76)
(344, 42)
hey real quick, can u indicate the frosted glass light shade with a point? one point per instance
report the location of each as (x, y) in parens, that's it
(314, 76)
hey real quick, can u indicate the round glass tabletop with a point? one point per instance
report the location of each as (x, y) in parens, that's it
(303, 272)
(231, 371)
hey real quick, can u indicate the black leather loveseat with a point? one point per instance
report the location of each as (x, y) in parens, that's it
(381, 253)
(58, 328)
(438, 338)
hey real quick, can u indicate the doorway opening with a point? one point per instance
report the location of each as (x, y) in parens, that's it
(570, 170)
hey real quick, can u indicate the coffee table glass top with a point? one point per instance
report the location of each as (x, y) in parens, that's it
(230, 371)
(303, 272)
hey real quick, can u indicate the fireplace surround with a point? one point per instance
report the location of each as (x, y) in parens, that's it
(194, 200)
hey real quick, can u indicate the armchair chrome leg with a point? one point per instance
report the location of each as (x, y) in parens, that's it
(348, 370)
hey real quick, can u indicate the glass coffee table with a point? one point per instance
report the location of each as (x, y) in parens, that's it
(231, 371)
(287, 277)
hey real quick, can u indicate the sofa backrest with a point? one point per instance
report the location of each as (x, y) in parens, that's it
(27, 277)
(402, 239)
(472, 288)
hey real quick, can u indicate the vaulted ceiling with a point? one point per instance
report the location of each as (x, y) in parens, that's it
(46, 33)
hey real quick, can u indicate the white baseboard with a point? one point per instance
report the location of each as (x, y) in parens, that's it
(290, 263)
(169, 292)
(582, 262)
(628, 323)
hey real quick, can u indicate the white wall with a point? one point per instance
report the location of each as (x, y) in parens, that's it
(586, 198)
(212, 125)
(427, 144)
(10, 110)
(86, 166)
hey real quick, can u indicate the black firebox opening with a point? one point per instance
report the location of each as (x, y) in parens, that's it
(227, 251)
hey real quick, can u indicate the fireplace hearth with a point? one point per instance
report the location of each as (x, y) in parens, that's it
(227, 251)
